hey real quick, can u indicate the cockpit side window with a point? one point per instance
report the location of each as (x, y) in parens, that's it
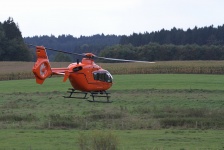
(102, 76)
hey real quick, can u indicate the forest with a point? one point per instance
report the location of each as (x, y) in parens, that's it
(204, 43)
(83, 44)
(201, 36)
(165, 52)
(12, 46)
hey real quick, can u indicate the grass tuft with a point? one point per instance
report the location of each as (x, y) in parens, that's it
(98, 140)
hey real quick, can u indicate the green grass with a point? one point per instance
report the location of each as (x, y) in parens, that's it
(169, 81)
(124, 82)
(139, 101)
(29, 85)
(150, 111)
(129, 139)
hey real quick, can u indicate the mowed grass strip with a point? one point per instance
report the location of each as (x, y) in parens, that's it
(168, 81)
(124, 82)
(128, 139)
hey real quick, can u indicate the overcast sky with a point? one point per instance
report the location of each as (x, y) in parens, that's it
(119, 17)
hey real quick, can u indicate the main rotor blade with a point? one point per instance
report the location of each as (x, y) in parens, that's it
(125, 60)
(56, 50)
(90, 55)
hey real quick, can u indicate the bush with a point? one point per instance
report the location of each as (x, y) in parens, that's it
(99, 140)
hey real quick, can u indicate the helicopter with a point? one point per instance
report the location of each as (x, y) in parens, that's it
(85, 76)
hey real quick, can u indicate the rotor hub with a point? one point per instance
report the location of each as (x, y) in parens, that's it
(89, 55)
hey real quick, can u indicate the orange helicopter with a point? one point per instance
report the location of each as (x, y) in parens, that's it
(85, 76)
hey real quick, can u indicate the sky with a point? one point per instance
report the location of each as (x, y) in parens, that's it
(118, 17)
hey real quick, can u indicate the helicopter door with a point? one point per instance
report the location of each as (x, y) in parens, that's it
(104, 76)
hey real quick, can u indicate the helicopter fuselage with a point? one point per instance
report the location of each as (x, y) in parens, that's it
(84, 76)
(87, 76)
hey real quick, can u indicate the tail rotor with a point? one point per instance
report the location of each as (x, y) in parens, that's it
(41, 68)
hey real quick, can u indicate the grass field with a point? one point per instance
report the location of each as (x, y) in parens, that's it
(129, 139)
(149, 111)
(127, 82)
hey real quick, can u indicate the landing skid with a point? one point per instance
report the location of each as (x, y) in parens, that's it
(92, 94)
(72, 91)
(100, 94)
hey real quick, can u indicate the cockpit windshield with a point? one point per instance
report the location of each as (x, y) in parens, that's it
(104, 76)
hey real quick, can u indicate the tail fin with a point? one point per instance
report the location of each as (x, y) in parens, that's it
(41, 68)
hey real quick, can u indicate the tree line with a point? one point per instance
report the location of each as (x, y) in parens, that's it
(83, 44)
(165, 52)
(12, 47)
(200, 36)
(204, 43)
(176, 44)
